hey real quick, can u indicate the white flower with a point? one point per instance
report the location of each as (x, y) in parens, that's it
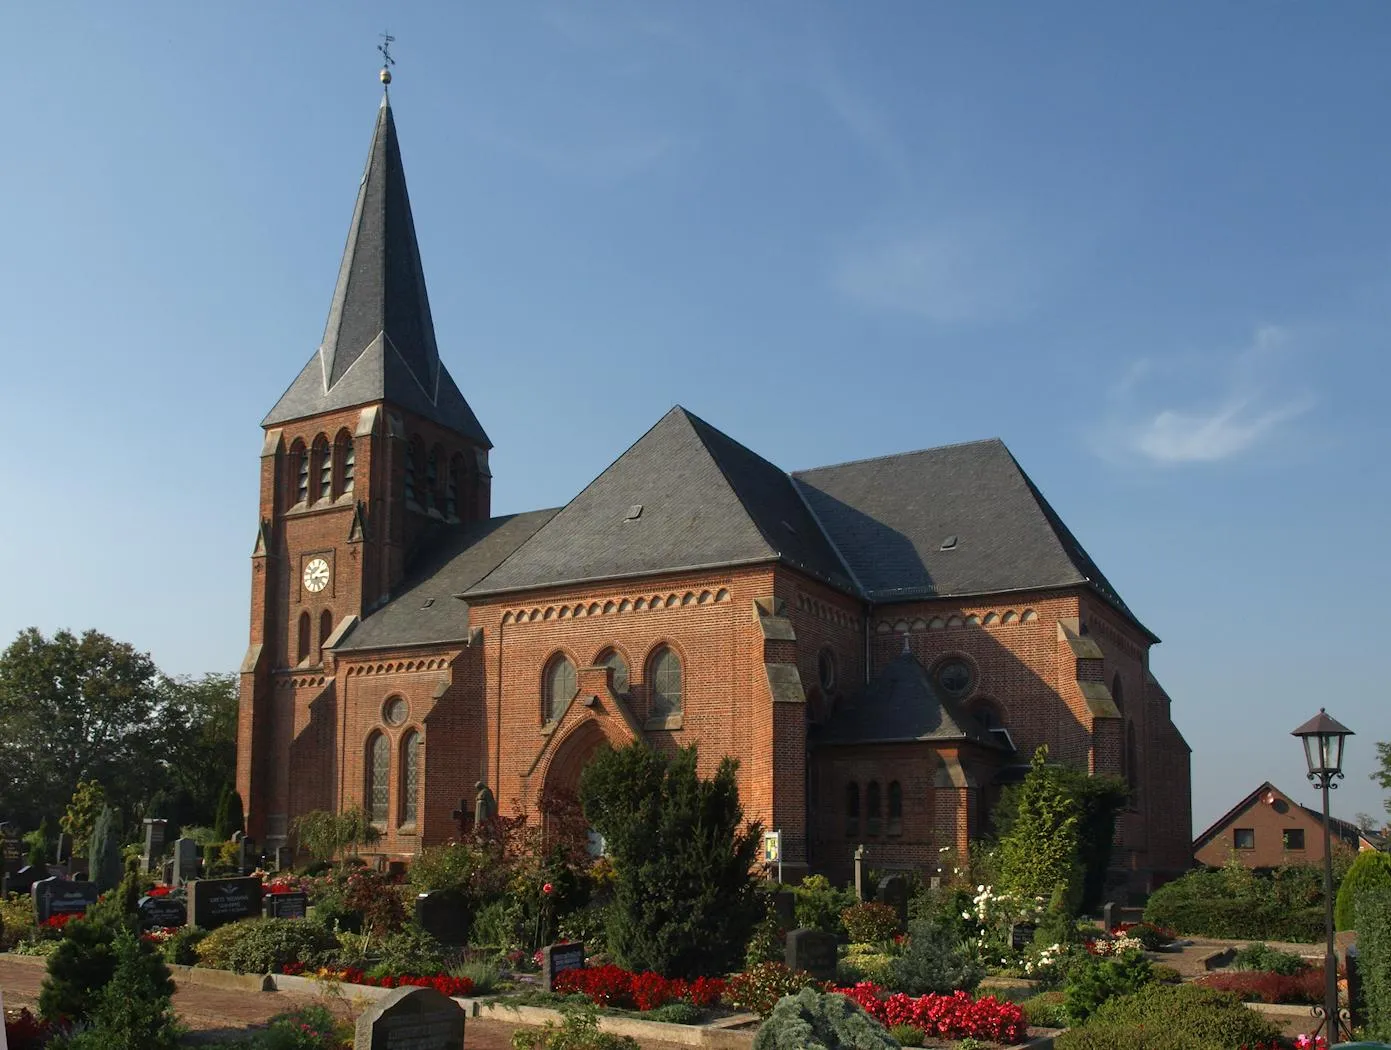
(965, 915)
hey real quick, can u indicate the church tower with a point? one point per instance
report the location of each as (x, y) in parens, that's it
(370, 449)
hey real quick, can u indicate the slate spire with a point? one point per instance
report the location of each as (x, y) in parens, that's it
(379, 342)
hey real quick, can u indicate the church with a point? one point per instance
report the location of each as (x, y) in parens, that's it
(881, 644)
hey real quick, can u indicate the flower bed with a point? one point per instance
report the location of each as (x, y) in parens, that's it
(614, 986)
(1265, 987)
(442, 983)
(955, 1016)
(24, 1031)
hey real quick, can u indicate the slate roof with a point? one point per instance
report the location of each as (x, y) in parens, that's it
(705, 501)
(900, 704)
(379, 343)
(948, 522)
(425, 608)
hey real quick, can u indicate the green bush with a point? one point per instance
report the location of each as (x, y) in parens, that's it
(935, 959)
(1239, 904)
(497, 924)
(133, 1011)
(484, 975)
(17, 923)
(865, 963)
(312, 1027)
(1096, 980)
(684, 899)
(1372, 868)
(1045, 1010)
(104, 851)
(819, 905)
(1172, 1017)
(411, 951)
(182, 948)
(578, 1031)
(1263, 957)
(869, 922)
(812, 1020)
(674, 1013)
(906, 1035)
(80, 967)
(264, 945)
(1373, 917)
(758, 990)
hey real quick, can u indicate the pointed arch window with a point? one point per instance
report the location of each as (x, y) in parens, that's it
(665, 673)
(410, 776)
(325, 629)
(852, 810)
(1132, 763)
(872, 814)
(451, 488)
(560, 687)
(345, 460)
(305, 627)
(432, 474)
(895, 825)
(299, 463)
(1117, 693)
(323, 463)
(613, 659)
(378, 790)
(412, 453)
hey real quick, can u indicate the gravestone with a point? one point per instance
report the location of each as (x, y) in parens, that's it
(812, 951)
(22, 881)
(154, 842)
(216, 902)
(292, 905)
(445, 915)
(185, 862)
(893, 891)
(284, 858)
(557, 958)
(785, 908)
(62, 849)
(1021, 935)
(161, 911)
(861, 882)
(412, 1019)
(11, 849)
(55, 896)
(246, 855)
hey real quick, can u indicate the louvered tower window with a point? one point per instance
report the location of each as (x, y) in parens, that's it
(451, 489)
(302, 475)
(324, 459)
(349, 464)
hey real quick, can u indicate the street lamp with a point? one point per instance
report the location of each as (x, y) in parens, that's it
(1323, 749)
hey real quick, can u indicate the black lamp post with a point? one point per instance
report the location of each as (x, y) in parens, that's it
(1323, 749)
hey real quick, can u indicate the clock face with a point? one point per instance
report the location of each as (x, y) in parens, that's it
(316, 575)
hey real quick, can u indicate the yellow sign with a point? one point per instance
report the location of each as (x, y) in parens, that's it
(772, 847)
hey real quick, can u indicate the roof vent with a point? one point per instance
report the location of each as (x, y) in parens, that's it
(949, 544)
(634, 512)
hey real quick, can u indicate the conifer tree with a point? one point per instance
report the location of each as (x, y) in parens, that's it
(104, 854)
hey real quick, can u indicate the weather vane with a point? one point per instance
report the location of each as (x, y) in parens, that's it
(387, 61)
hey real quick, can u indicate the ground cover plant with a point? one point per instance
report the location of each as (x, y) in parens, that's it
(1171, 1017)
(1305, 986)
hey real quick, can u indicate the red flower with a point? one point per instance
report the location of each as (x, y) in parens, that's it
(547, 889)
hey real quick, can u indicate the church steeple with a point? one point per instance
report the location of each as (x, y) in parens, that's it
(379, 343)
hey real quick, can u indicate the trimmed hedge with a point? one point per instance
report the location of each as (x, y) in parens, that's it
(1370, 870)
(264, 945)
(1374, 948)
(1240, 906)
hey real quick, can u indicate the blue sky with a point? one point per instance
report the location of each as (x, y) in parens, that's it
(1151, 249)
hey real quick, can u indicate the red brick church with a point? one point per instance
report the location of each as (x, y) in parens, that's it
(881, 644)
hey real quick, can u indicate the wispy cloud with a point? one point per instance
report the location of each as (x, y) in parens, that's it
(601, 159)
(1253, 406)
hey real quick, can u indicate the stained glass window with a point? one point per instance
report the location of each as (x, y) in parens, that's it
(665, 676)
(614, 659)
(410, 776)
(561, 687)
(378, 778)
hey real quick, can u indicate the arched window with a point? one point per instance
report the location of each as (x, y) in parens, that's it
(299, 465)
(664, 674)
(412, 453)
(345, 461)
(872, 814)
(1116, 693)
(304, 640)
(986, 713)
(1132, 762)
(378, 778)
(432, 477)
(613, 659)
(560, 686)
(852, 810)
(323, 463)
(895, 808)
(451, 489)
(410, 776)
(325, 629)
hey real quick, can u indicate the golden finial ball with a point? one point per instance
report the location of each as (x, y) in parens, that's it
(386, 76)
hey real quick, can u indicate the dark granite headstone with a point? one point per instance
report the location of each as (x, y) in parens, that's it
(22, 881)
(161, 911)
(1021, 935)
(814, 952)
(247, 856)
(412, 1019)
(62, 849)
(785, 908)
(54, 896)
(893, 891)
(154, 842)
(557, 958)
(11, 849)
(185, 861)
(284, 858)
(445, 915)
(292, 905)
(216, 902)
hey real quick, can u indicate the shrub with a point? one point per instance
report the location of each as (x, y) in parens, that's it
(133, 1011)
(906, 1035)
(497, 924)
(1264, 987)
(24, 1031)
(759, 989)
(104, 852)
(1261, 956)
(768, 942)
(377, 898)
(484, 975)
(182, 948)
(1238, 904)
(1041, 850)
(264, 945)
(578, 1031)
(935, 959)
(1111, 1036)
(865, 963)
(870, 922)
(412, 950)
(1149, 935)
(17, 923)
(675, 1013)
(684, 900)
(945, 1016)
(1203, 1017)
(1096, 980)
(78, 969)
(1371, 869)
(1373, 915)
(819, 905)
(817, 1021)
(312, 1027)
(1045, 1010)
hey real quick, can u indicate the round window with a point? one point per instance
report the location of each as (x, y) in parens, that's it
(396, 711)
(826, 669)
(954, 677)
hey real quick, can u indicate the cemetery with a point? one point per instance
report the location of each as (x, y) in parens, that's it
(995, 949)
